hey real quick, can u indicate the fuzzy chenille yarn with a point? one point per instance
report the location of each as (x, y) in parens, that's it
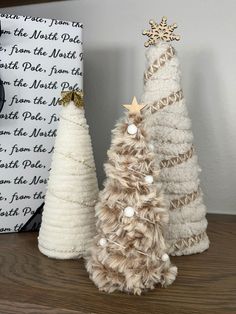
(170, 128)
(68, 222)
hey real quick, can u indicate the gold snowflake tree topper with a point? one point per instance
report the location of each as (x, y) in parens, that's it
(160, 31)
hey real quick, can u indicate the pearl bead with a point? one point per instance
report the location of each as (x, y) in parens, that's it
(149, 179)
(103, 242)
(132, 129)
(129, 211)
(151, 146)
(165, 257)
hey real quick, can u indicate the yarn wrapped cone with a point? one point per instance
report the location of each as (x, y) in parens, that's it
(68, 221)
(170, 128)
(129, 253)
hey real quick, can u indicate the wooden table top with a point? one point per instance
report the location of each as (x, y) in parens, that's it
(33, 283)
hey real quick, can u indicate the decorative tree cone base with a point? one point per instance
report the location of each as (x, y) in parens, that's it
(188, 234)
(62, 254)
(110, 280)
(189, 246)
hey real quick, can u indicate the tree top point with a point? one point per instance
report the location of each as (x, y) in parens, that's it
(76, 96)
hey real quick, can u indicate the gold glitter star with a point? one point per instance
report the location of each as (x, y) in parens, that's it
(160, 31)
(134, 107)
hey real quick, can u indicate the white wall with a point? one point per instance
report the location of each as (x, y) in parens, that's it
(114, 64)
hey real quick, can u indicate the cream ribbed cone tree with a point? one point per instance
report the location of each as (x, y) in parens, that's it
(129, 253)
(68, 222)
(170, 128)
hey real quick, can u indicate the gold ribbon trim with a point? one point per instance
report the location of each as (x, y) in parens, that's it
(76, 96)
(176, 160)
(166, 101)
(188, 242)
(185, 200)
(157, 64)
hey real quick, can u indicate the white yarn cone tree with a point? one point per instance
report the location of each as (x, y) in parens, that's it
(68, 221)
(129, 253)
(172, 138)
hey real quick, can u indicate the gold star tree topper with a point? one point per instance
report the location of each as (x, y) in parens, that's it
(160, 31)
(134, 107)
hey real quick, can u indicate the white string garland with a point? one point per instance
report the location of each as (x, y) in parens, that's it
(72, 201)
(75, 159)
(82, 125)
(164, 257)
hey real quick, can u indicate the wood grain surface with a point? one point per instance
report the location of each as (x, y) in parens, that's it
(11, 3)
(33, 283)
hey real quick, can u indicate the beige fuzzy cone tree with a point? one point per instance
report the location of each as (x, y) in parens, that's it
(129, 253)
(68, 221)
(170, 128)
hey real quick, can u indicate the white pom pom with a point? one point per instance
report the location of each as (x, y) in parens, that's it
(129, 211)
(132, 129)
(149, 179)
(103, 242)
(165, 257)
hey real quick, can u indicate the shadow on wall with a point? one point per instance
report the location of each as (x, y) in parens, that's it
(213, 136)
(105, 91)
